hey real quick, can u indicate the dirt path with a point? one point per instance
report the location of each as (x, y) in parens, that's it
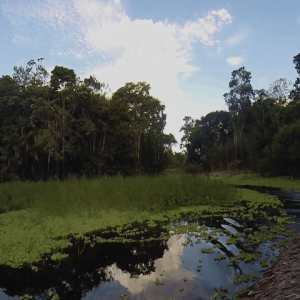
(282, 281)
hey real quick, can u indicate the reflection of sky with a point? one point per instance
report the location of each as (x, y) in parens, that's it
(181, 262)
(170, 265)
(3, 296)
(177, 263)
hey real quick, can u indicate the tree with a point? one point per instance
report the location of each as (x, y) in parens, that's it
(238, 101)
(280, 90)
(295, 93)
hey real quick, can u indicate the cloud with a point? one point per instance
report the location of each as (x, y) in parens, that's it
(234, 39)
(20, 38)
(77, 54)
(237, 37)
(133, 50)
(233, 61)
(262, 80)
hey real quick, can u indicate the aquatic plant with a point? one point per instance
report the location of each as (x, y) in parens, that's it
(245, 278)
(221, 292)
(158, 282)
(222, 256)
(264, 264)
(207, 250)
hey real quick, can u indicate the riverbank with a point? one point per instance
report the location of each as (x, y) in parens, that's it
(254, 179)
(282, 281)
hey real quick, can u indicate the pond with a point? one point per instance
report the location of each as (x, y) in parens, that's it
(191, 264)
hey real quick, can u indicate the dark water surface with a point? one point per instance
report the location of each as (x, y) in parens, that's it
(105, 271)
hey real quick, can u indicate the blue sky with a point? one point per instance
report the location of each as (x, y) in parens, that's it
(185, 50)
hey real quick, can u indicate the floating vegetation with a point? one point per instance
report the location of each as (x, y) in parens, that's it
(207, 250)
(221, 292)
(222, 256)
(245, 278)
(247, 257)
(264, 264)
(158, 282)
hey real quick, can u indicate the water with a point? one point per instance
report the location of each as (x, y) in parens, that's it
(105, 271)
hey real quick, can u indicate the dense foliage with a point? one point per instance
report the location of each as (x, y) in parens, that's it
(260, 132)
(62, 127)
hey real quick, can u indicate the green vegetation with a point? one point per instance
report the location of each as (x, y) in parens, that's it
(207, 250)
(255, 179)
(158, 282)
(221, 293)
(141, 193)
(57, 211)
(260, 131)
(50, 210)
(264, 264)
(222, 256)
(245, 278)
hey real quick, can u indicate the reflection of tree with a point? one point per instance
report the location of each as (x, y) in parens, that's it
(78, 274)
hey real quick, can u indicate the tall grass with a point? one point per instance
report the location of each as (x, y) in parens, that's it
(137, 193)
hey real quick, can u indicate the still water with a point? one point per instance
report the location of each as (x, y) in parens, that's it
(173, 269)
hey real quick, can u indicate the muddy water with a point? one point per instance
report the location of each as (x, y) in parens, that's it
(106, 271)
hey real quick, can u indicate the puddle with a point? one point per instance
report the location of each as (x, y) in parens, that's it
(177, 268)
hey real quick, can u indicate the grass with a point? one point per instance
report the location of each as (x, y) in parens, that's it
(254, 179)
(39, 218)
(139, 193)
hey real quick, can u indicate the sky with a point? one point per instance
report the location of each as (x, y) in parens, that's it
(185, 50)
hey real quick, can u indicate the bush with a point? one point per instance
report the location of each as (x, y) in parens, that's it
(192, 169)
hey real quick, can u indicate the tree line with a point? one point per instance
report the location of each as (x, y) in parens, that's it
(260, 131)
(53, 129)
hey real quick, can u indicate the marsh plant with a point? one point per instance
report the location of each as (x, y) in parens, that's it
(141, 193)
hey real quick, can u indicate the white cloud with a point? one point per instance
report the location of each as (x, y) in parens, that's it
(237, 37)
(262, 80)
(134, 50)
(233, 61)
(20, 38)
(234, 39)
(75, 53)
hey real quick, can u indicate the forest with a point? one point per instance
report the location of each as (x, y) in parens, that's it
(64, 127)
(260, 132)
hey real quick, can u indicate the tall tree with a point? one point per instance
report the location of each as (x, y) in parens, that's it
(295, 93)
(238, 101)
